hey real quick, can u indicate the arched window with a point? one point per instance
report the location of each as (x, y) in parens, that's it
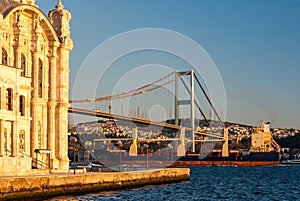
(40, 79)
(4, 57)
(5, 139)
(22, 140)
(23, 65)
(22, 105)
(9, 99)
(39, 131)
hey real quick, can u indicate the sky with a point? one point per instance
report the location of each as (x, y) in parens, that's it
(255, 46)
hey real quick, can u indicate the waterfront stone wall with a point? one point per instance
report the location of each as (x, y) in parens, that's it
(13, 166)
(38, 187)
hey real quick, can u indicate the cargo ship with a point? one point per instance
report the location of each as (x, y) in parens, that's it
(263, 151)
(241, 159)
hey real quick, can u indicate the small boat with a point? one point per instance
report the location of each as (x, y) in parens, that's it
(79, 165)
(295, 160)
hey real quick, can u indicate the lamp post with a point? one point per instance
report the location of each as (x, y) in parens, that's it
(74, 140)
(172, 152)
(120, 146)
(147, 156)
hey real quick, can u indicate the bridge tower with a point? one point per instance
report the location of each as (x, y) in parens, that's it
(191, 102)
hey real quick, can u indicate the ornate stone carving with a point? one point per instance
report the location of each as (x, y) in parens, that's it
(19, 21)
(1, 20)
(30, 2)
(37, 27)
(60, 19)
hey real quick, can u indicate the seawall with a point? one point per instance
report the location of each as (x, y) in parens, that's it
(39, 187)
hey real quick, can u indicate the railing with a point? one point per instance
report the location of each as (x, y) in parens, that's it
(7, 151)
(38, 163)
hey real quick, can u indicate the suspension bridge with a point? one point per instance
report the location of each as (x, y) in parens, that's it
(180, 86)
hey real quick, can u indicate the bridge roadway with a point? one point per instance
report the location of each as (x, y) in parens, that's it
(137, 120)
(149, 139)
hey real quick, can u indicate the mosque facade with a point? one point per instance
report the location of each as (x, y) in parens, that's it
(34, 84)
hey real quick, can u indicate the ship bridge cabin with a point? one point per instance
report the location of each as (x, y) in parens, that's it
(262, 140)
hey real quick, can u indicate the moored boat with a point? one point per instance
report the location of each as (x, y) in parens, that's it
(294, 160)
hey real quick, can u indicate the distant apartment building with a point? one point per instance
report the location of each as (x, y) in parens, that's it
(34, 82)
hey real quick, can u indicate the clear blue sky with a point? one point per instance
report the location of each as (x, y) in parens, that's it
(255, 45)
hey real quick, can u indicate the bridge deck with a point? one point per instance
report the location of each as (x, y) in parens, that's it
(137, 120)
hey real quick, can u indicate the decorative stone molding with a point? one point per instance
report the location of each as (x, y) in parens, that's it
(30, 2)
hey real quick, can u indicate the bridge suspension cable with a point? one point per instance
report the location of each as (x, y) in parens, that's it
(209, 101)
(134, 92)
(196, 103)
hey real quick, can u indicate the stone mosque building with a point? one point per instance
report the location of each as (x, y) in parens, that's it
(34, 83)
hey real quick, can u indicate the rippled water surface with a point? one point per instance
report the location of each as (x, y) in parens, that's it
(219, 183)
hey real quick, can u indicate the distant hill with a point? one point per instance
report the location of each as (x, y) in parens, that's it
(240, 133)
(292, 142)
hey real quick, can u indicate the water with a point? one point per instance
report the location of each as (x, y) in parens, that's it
(218, 183)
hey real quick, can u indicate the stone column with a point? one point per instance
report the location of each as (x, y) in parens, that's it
(34, 104)
(1, 42)
(51, 128)
(1, 137)
(62, 136)
(53, 75)
(14, 140)
(33, 133)
(62, 28)
(17, 54)
(62, 107)
(14, 126)
(2, 95)
(51, 140)
(52, 105)
(35, 77)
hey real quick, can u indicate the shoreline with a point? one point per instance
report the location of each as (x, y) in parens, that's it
(47, 186)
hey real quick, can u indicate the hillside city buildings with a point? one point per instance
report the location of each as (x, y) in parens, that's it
(89, 131)
(34, 82)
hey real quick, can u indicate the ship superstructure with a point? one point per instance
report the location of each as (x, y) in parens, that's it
(263, 151)
(262, 140)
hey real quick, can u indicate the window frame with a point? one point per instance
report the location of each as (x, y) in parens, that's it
(22, 105)
(9, 99)
(22, 140)
(40, 79)
(5, 139)
(4, 57)
(23, 65)
(39, 134)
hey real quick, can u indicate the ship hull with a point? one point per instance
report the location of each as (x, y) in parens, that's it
(251, 159)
